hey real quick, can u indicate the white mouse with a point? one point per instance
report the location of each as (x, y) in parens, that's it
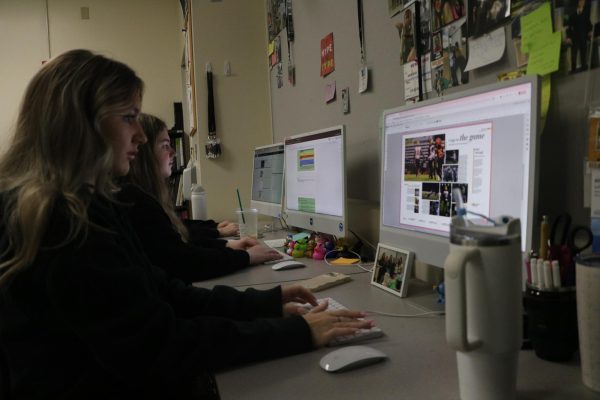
(350, 357)
(289, 264)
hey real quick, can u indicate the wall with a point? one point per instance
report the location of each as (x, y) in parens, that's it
(145, 34)
(301, 108)
(23, 46)
(233, 31)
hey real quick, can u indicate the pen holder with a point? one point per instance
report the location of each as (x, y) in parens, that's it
(552, 322)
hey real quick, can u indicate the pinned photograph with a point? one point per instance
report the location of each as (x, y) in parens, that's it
(406, 26)
(445, 12)
(392, 269)
(485, 15)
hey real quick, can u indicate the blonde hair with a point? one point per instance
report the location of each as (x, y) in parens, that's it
(58, 149)
(145, 172)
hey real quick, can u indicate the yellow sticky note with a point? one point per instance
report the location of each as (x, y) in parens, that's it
(535, 26)
(345, 261)
(544, 55)
(271, 48)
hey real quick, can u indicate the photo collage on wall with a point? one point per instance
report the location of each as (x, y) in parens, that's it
(435, 33)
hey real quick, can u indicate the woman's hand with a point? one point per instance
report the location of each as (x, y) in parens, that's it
(242, 244)
(261, 253)
(227, 228)
(327, 325)
(293, 297)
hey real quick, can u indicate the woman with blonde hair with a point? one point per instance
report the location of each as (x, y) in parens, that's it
(84, 313)
(169, 244)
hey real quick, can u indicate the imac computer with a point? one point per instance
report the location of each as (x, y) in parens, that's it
(267, 180)
(315, 181)
(481, 141)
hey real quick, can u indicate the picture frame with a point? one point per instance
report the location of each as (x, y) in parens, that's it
(393, 268)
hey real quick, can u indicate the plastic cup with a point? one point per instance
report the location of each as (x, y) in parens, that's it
(588, 308)
(248, 223)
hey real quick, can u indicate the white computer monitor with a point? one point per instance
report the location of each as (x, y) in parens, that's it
(483, 141)
(267, 180)
(315, 181)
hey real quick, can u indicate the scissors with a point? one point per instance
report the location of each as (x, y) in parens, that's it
(566, 243)
(576, 240)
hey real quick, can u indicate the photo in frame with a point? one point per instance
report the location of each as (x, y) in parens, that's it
(392, 269)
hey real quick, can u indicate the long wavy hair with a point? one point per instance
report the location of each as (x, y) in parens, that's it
(145, 172)
(58, 149)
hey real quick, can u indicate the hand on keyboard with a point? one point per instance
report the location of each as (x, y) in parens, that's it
(333, 324)
(261, 253)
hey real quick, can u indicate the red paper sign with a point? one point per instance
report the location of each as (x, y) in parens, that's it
(327, 59)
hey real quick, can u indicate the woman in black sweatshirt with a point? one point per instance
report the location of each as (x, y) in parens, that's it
(182, 250)
(83, 312)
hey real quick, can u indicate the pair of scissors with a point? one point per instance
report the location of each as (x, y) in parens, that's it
(566, 243)
(576, 240)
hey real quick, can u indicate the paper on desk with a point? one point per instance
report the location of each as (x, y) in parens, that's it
(345, 261)
(486, 49)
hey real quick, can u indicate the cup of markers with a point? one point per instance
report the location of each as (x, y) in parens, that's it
(551, 312)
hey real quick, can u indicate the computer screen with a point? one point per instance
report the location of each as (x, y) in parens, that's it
(481, 141)
(267, 179)
(315, 181)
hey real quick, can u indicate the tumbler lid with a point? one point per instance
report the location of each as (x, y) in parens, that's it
(465, 233)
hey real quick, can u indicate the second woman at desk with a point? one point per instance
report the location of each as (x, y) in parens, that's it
(166, 240)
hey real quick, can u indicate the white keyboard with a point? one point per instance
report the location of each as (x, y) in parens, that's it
(362, 334)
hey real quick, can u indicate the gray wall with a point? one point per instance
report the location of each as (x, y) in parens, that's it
(301, 108)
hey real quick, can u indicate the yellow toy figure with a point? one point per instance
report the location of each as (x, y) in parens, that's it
(309, 248)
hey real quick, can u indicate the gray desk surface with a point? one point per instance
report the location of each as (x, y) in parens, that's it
(261, 274)
(420, 364)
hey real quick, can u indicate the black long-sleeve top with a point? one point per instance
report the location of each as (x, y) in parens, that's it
(165, 248)
(94, 319)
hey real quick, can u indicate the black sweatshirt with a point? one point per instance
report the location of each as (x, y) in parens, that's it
(94, 319)
(165, 248)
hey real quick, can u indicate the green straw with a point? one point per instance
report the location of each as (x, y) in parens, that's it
(241, 208)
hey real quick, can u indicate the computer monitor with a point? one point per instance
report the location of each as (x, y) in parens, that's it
(482, 141)
(315, 181)
(267, 180)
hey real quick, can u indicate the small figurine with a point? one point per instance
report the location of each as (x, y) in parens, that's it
(299, 248)
(290, 247)
(441, 292)
(319, 251)
(310, 247)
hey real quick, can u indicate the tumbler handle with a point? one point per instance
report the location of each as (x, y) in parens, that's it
(456, 298)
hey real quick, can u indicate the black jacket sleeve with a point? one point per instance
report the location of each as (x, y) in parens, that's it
(165, 248)
(143, 326)
(200, 230)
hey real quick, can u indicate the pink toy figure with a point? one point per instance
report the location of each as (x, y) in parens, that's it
(319, 251)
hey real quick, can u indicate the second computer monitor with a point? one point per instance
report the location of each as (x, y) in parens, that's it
(315, 181)
(267, 179)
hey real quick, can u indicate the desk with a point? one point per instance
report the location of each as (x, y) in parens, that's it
(420, 364)
(263, 273)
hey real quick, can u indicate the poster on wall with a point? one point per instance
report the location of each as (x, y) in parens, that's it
(407, 24)
(327, 57)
